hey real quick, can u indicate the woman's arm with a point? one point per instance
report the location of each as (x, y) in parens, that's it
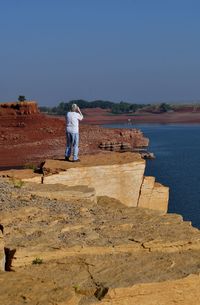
(79, 111)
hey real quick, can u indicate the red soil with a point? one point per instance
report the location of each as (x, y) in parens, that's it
(30, 139)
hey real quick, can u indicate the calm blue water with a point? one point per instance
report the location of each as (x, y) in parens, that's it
(177, 164)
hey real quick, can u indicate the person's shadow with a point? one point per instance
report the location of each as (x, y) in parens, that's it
(9, 256)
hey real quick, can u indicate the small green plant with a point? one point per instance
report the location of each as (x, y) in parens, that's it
(18, 183)
(37, 261)
(76, 288)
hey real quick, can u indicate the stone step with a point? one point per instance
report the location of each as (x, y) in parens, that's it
(63, 192)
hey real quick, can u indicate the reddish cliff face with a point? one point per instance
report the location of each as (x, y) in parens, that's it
(27, 136)
(19, 108)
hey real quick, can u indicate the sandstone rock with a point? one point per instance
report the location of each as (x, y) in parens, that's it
(146, 192)
(121, 182)
(120, 175)
(153, 195)
(159, 198)
(180, 292)
(19, 108)
(18, 174)
(92, 253)
(111, 139)
(116, 146)
(61, 192)
(116, 175)
(148, 155)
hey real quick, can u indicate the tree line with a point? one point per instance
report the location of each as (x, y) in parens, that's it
(115, 108)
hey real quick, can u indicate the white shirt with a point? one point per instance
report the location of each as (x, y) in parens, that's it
(73, 119)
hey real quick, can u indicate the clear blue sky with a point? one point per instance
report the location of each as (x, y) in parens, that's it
(131, 50)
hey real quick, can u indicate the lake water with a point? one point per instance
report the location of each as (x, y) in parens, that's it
(177, 164)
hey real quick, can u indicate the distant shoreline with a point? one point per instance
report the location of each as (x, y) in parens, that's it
(164, 118)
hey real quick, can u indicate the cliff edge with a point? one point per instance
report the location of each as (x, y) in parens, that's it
(18, 108)
(116, 175)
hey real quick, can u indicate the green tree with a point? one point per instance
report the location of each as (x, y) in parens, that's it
(164, 107)
(21, 98)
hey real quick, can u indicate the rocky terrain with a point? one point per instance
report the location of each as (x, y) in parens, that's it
(31, 137)
(65, 244)
(78, 251)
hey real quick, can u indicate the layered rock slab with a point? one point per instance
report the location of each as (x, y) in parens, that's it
(86, 246)
(62, 192)
(116, 175)
(179, 292)
(153, 195)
